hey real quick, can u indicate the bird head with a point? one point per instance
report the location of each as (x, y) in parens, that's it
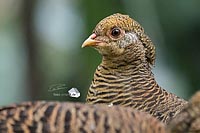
(119, 36)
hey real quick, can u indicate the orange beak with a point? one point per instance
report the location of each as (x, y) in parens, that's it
(90, 41)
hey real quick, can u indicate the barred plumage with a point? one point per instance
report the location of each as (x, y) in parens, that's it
(188, 120)
(124, 76)
(51, 117)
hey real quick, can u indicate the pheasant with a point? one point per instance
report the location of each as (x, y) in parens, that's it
(188, 120)
(124, 76)
(52, 117)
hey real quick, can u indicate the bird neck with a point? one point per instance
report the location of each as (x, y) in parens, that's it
(113, 79)
(119, 64)
(135, 75)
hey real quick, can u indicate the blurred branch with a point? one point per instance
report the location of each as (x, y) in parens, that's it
(31, 45)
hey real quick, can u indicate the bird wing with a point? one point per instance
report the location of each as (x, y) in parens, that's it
(75, 117)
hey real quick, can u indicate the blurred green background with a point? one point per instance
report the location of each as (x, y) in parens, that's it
(40, 44)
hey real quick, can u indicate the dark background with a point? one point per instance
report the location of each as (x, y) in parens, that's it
(40, 44)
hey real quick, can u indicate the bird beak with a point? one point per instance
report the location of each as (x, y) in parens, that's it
(90, 41)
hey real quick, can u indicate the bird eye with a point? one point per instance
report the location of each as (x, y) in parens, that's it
(115, 32)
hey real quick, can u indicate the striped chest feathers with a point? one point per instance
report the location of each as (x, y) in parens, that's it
(116, 86)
